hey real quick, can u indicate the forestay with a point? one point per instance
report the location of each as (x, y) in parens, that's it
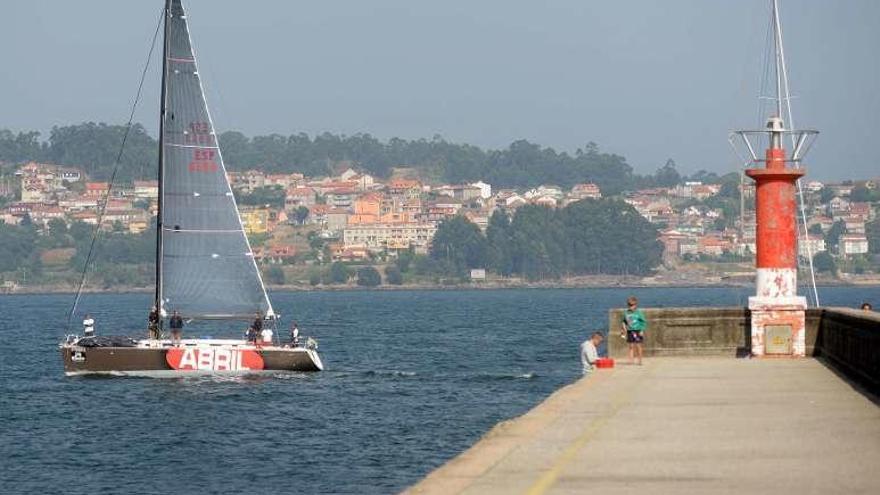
(207, 265)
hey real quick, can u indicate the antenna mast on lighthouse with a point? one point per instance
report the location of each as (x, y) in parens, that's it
(778, 313)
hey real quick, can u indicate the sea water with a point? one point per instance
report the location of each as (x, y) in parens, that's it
(412, 378)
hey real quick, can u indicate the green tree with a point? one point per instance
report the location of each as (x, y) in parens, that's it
(95, 147)
(393, 275)
(58, 233)
(498, 237)
(275, 275)
(368, 277)
(826, 195)
(461, 244)
(815, 229)
(81, 232)
(730, 185)
(538, 243)
(832, 238)
(21, 146)
(404, 259)
(339, 273)
(863, 194)
(19, 249)
(872, 232)
(610, 236)
(264, 196)
(301, 214)
(824, 262)
(667, 175)
(26, 222)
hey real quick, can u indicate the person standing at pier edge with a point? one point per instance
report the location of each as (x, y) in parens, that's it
(866, 306)
(176, 324)
(590, 352)
(88, 326)
(634, 325)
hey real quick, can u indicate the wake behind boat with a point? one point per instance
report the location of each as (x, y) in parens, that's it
(205, 268)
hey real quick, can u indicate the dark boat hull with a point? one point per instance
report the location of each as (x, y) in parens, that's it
(188, 360)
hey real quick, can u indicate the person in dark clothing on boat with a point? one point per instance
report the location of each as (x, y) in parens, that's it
(176, 324)
(153, 323)
(255, 329)
(258, 323)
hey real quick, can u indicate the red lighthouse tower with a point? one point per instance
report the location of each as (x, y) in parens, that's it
(778, 313)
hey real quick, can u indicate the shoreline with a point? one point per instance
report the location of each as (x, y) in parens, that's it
(491, 285)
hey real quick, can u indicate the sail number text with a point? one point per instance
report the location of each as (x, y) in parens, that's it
(203, 161)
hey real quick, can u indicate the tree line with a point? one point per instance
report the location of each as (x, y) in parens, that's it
(604, 236)
(95, 147)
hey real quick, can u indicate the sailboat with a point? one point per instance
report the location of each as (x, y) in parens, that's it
(205, 268)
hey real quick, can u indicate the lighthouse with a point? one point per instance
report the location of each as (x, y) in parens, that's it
(777, 312)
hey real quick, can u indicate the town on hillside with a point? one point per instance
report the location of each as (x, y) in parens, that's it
(296, 222)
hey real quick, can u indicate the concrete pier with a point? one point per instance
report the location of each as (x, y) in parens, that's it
(696, 418)
(682, 425)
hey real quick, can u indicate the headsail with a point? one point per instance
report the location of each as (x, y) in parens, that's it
(207, 268)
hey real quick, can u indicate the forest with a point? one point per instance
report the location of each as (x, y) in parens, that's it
(523, 164)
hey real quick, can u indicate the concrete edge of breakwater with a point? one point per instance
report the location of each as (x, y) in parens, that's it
(457, 474)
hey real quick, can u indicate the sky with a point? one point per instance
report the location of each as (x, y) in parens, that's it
(646, 79)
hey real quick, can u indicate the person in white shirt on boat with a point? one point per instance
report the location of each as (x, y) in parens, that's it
(294, 334)
(89, 326)
(266, 336)
(590, 352)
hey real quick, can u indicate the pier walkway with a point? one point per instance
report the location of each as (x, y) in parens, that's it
(684, 426)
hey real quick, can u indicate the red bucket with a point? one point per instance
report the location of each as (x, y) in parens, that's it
(605, 363)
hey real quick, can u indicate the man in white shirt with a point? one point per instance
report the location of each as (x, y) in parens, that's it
(590, 352)
(294, 334)
(266, 336)
(89, 326)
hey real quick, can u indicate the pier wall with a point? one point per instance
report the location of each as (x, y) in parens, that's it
(848, 339)
(686, 332)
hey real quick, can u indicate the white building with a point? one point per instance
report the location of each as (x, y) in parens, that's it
(377, 237)
(810, 246)
(850, 245)
(485, 189)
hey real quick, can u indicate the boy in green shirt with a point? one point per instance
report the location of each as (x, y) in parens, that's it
(634, 325)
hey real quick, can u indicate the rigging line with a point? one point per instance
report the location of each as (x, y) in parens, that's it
(782, 78)
(100, 218)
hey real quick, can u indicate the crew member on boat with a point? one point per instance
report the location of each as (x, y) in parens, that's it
(153, 323)
(176, 324)
(255, 332)
(258, 322)
(89, 326)
(266, 335)
(294, 334)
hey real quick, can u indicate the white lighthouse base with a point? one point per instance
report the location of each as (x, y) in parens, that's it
(778, 326)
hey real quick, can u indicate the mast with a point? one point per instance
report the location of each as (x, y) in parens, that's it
(161, 172)
(783, 94)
